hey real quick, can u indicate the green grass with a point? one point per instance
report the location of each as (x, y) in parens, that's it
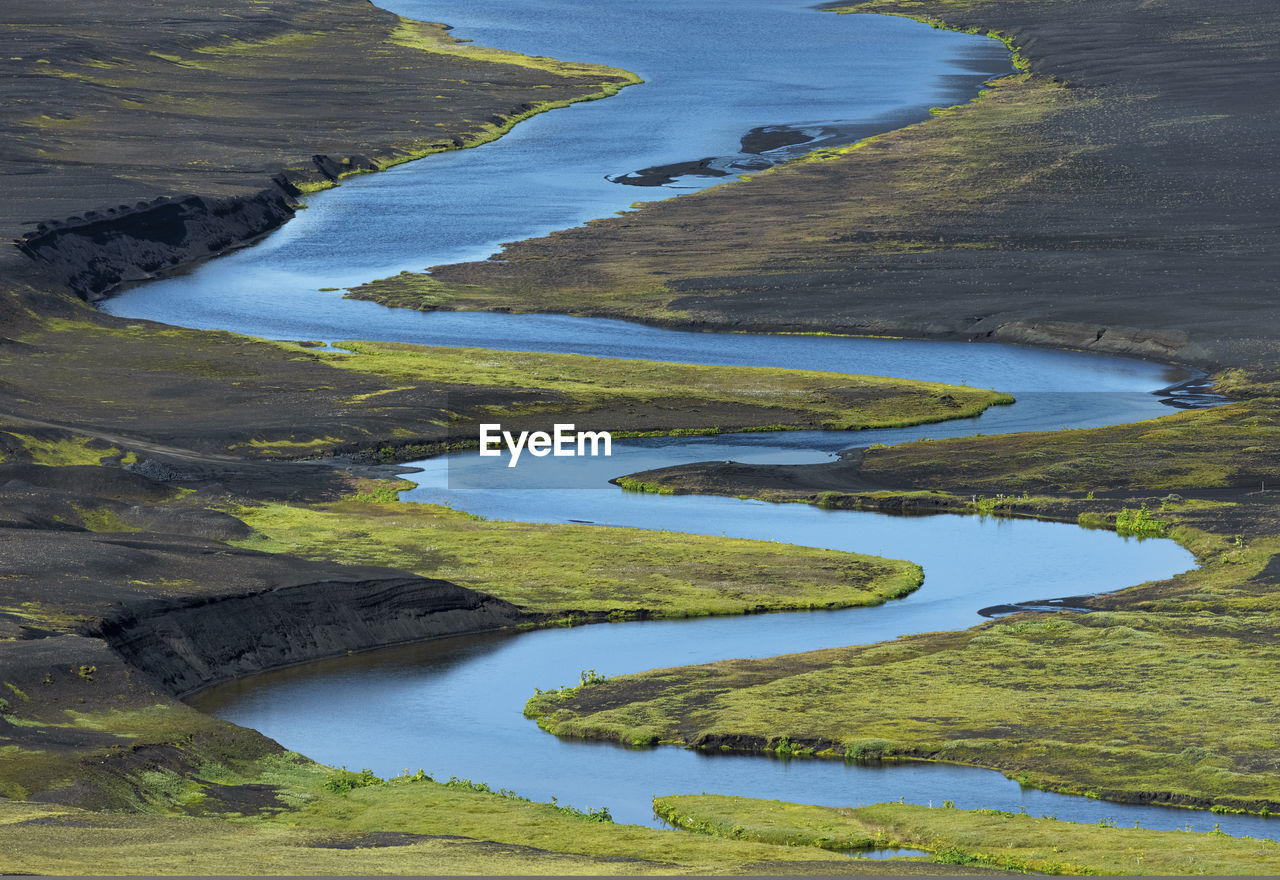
(1140, 523)
(1233, 445)
(263, 399)
(103, 519)
(468, 808)
(289, 446)
(562, 568)
(988, 838)
(321, 832)
(64, 451)
(630, 484)
(776, 822)
(1167, 699)
(777, 398)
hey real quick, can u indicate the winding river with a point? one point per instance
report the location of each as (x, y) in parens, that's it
(715, 73)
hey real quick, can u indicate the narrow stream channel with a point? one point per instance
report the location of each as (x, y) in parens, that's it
(715, 72)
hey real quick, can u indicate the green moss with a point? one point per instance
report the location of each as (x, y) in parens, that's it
(559, 568)
(985, 838)
(289, 446)
(952, 698)
(800, 397)
(65, 451)
(321, 831)
(102, 519)
(774, 822)
(472, 809)
(1234, 445)
(1186, 663)
(630, 484)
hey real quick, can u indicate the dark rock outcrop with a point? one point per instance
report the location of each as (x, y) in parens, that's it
(94, 254)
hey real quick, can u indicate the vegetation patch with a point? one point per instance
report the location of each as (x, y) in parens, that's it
(1162, 695)
(770, 398)
(776, 822)
(1237, 445)
(556, 569)
(62, 451)
(1161, 700)
(405, 826)
(982, 837)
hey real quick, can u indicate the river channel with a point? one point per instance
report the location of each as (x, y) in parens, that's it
(715, 73)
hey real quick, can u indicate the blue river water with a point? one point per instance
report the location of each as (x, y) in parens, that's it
(714, 73)
(713, 70)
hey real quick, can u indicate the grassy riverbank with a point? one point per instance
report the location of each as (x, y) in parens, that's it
(176, 133)
(1230, 447)
(1161, 696)
(599, 269)
(1166, 708)
(260, 399)
(607, 390)
(566, 569)
(294, 816)
(990, 838)
(161, 788)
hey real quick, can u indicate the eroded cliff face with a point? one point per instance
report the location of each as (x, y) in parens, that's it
(189, 644)
(94, 254)
(102, 633)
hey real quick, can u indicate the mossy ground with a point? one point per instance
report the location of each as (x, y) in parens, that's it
(1163, 695)
(1233, 446)
(284, 815)
(559, 569)
(1168, 708)
(139, 383)
(1044, 212)
(592, 387)
(230, 97)
(990, 838)
(59, 451)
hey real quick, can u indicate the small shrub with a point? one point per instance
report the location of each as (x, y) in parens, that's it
(1140, 523)
(628, 484)
(344, 780)
(590, 676)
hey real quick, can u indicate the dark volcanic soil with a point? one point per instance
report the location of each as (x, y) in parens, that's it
(136, 139)
(139, 137)
(1133, 211)
(1138, 216)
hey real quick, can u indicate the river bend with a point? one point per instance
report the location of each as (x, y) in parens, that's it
(715, 73)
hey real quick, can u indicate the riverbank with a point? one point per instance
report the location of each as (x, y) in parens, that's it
(121, 600)
(1112, 198)
(259, 401)
(990, 838)
(133, 156)
(1184, 717)
(182, 408)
